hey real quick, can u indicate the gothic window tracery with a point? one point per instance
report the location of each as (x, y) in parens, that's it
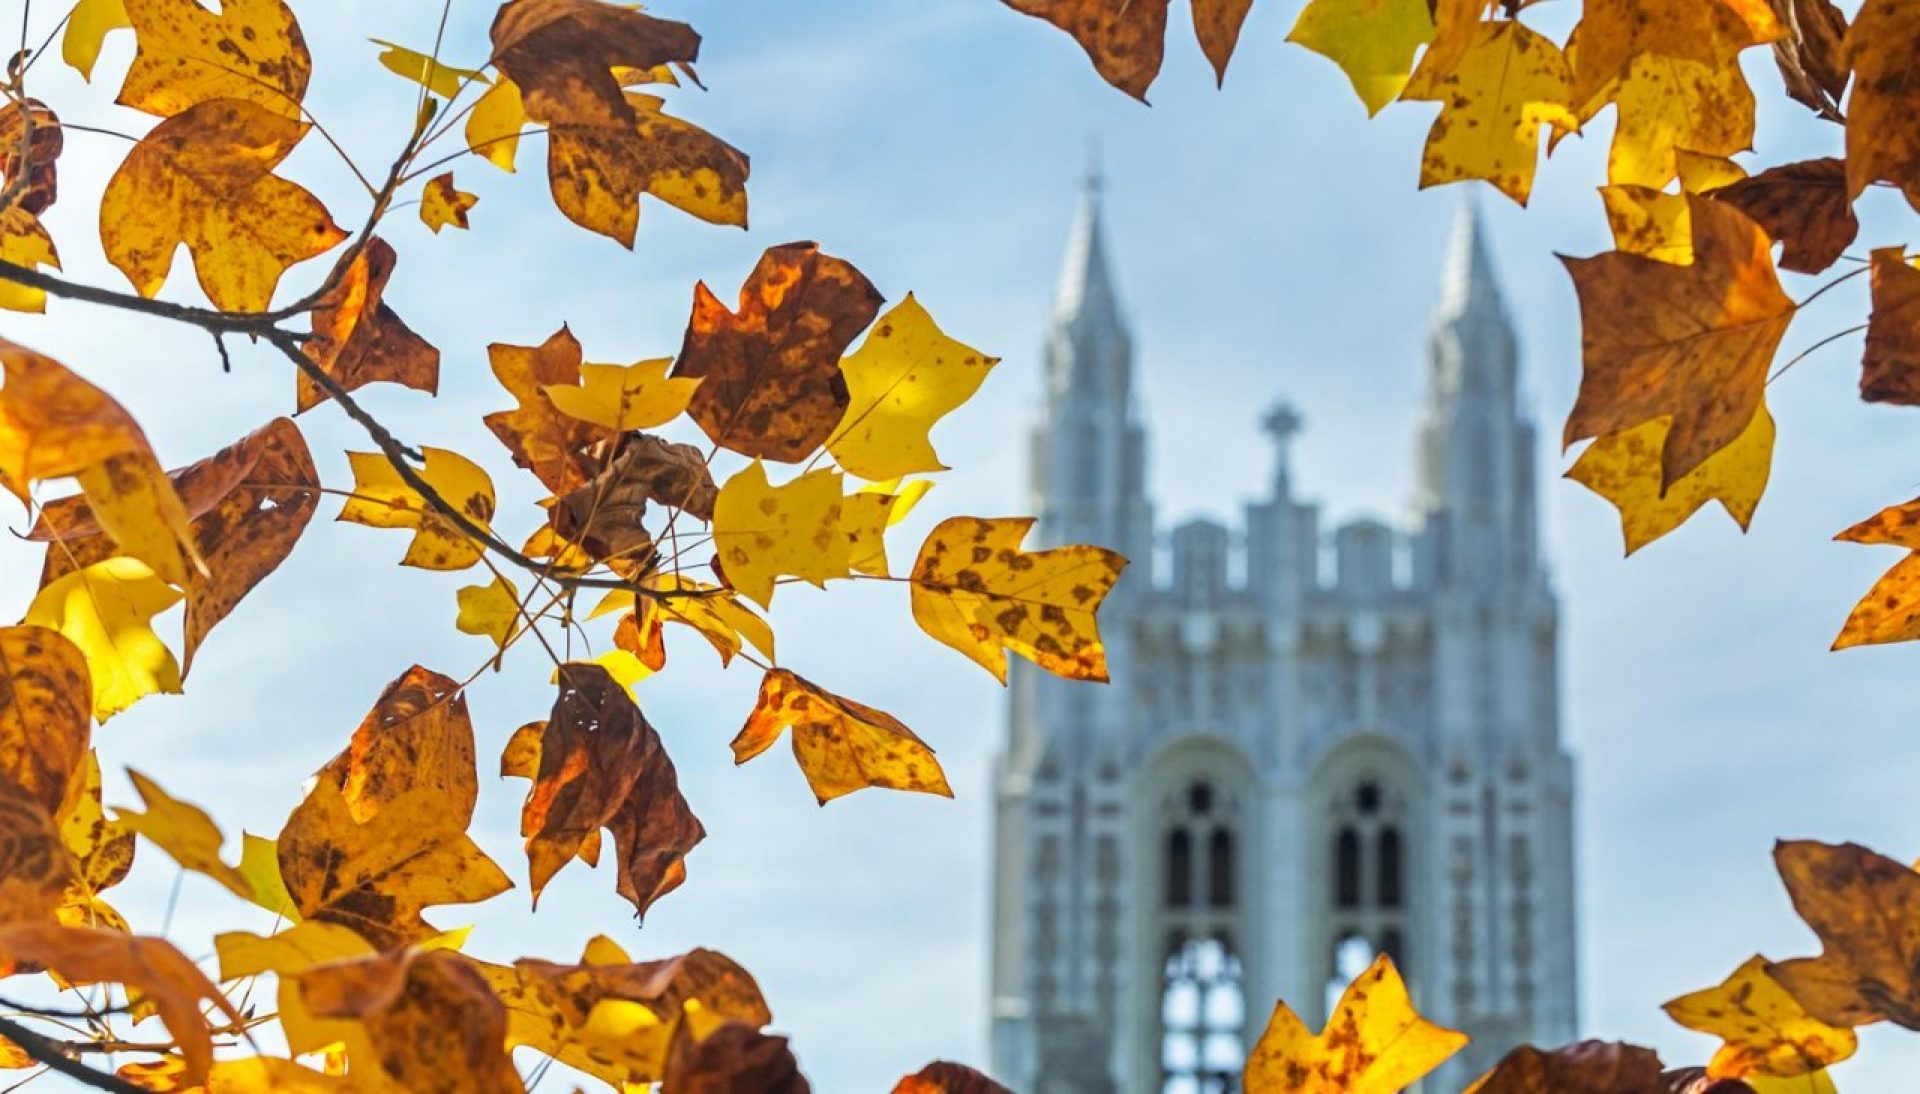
(1202, 992)
(1370, 885)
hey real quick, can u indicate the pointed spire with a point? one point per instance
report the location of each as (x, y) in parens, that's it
(1086, 285)
(1467, 282)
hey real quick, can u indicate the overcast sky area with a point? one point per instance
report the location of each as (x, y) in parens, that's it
(1270, 241)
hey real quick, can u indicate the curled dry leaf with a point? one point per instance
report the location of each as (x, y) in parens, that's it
(46, 714)
(431, 1022)
(772, 386)
(1124, 41)
(712, 610)
(975, 590)
(1690, 342)
(596, 763)
(358, 340)
(1882, 145)
(1890, 370)
(1766, 1031)
(53, 424)
(249, 50)
(204, 178)
(1812, 58)
(734, 1057)
(1374, 1043)
(841, 746)
(607, 146)
(1866, 909)
(148, 967)
(606, 516)
(1805, 208)
(616, 1019)
(31, 141)
(36, 872)
(1588, 1067)
(246, 505)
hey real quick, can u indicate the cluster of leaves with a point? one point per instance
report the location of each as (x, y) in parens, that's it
(1681, 325)
(653, 531)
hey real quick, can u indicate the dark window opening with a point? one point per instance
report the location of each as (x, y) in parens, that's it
(1368, 799)
(1200, 798)
(1346, 869)
(1220, 868)
(1390, 868)
(1179, 869)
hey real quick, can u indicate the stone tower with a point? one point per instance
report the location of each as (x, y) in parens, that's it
(1317, 746)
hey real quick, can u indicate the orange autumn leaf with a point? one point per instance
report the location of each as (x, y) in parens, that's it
(1765, 1030)
(357, 338)
(431, 1022)
(36, 872)
(1890, 611)
(1691, 342)
(596, 763)
(1890, 369)
(1588, 1067)
(46, 714)
(1803, 206)
(248, 50)
(772, 386)
(841, 746)
(1613, 34)
(977, 591)
(54, 424)
(1125, 39)
(541, 438)
(947, 1077)
(150, 968)
(204, 178)
(246, 504)
(605, 145)
(1375, 1043)
(1865, 908)
(383, 833)
(1881, 143)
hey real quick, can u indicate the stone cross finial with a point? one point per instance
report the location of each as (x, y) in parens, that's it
(1282, 423)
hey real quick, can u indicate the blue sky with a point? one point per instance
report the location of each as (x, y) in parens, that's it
(1270, 241)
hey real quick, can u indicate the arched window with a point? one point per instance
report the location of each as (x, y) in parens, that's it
(1202, 1045)
(1203, 1013)
(1179, 868)
(1220, 868)
(1346, 869)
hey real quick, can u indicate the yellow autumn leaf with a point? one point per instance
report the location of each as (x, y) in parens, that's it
(410, 64)
(866, 516)
(1650, 222)
(248, 51)
(763, 532)
(712, 610)
(1375, 1043)
(24, 242)
(624, 397)
(204, 178)
(977, 591)
(1508, 82)
(1766, 1031)
(1373, 42)
(87, 28)
(1667, 104)
(492, 610)
(841, 745)
(184, 832)
(107, 610)
(494, 127)
(381, 499)
(1624, 468)
(260, 866)
(442, 206)
(905, 377)
(626, 669)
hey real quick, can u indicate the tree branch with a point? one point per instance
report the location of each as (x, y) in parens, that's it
(50, 1053)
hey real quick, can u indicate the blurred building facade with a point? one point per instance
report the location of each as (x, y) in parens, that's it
(1318, 746)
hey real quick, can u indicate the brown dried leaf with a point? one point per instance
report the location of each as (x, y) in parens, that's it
(1866, 909)
(1890, 370)
(358, 340)
(732, 1059)
(1805, 208)
(431, 1020)
(30, 127)
(1589, 1067)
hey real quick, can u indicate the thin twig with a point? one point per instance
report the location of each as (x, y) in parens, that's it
(51, 1054)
